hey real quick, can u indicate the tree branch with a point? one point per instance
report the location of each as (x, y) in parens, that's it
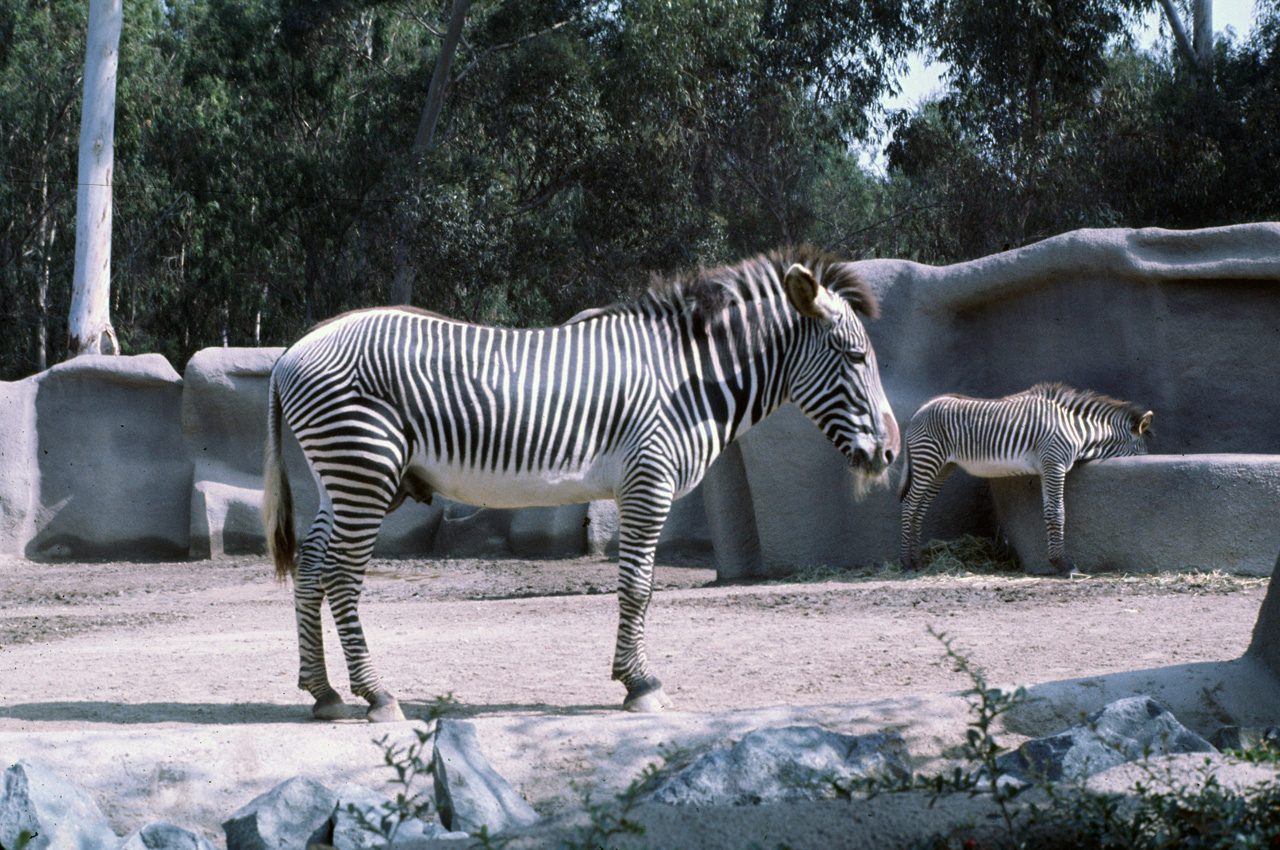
(1180, 34)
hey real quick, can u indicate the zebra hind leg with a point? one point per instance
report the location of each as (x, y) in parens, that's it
(924, 487)
(308, 596)
(344, 581)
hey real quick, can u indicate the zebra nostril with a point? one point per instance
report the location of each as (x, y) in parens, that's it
(888, 457)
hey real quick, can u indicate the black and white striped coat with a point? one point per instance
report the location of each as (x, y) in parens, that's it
(630, 402)
(1042, 431)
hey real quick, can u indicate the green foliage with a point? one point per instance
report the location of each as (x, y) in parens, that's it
(265, 174)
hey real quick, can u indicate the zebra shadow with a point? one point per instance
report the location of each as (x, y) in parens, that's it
(233, 714)
(133, 714)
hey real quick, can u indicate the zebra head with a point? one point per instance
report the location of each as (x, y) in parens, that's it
(833, 377)
(1121, 432)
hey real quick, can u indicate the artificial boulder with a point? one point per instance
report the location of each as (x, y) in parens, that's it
(470, 794)
(295, 814)
(779, 765)
(364, 820)
(113, 477)
(1123, 731)
(1215, 511)
(164, 836)
(52, 812)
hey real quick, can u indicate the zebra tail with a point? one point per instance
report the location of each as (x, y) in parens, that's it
(277, 496)
(904, 482)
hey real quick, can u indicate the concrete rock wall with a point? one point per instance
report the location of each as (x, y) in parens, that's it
(121, 457)
(1184, 322)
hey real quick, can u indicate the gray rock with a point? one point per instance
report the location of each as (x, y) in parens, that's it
(59, 815)
(1151, 315)
(1123, 731)
(350, 833)
(164, 836)
(469, 792)
(226, 512)
(295, 814)
(775, 765)
(1246, 737)
(1216, 511)
(602, 527)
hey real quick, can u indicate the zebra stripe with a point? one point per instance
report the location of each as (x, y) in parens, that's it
(630, 402)
(1043, 431)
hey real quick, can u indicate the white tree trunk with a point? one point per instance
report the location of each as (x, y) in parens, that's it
(89, 328)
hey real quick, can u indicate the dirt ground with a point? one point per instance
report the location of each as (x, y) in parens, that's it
(138, 651)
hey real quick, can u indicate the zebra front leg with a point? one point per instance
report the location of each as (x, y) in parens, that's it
(921, 490)
(308, 595)
(1052, 484)
(640, 520)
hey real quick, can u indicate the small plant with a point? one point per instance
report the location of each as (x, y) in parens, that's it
(980, 750)
(1209, 817)
(411, 764)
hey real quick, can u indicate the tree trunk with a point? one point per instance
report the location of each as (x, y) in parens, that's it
(1202, 40)
(402, 284)
(1198, 48)
(89, 328)
(440, 78)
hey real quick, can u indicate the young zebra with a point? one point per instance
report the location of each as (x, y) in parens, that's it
(1042, 431)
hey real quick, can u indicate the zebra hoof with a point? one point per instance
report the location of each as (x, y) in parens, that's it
(650, 701)
(330, 707)
(385, 710)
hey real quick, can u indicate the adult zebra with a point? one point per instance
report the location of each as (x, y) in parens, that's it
(630, 402)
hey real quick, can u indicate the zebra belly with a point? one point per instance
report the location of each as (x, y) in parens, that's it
(489, 489)
(1026, 464)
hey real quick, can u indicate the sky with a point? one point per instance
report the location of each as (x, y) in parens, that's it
(923, 79)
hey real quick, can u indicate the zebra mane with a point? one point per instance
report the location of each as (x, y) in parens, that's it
(706, 293)
(1083, 401)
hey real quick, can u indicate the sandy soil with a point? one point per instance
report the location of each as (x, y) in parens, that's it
(168, 688)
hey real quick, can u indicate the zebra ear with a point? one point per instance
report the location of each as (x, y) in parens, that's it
(808, 296)
(1144, 424)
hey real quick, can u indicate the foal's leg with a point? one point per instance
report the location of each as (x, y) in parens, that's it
(926, 481)
(1052, 482)
(641, 512)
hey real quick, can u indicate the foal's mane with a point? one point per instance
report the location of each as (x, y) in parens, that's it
(1074, 399)
(706, 293)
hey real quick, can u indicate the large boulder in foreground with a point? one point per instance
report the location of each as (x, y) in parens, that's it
(1123, 731)
(470, 794)
(296, 813)
(51, 812)
(780, 765)
(1152, 513)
